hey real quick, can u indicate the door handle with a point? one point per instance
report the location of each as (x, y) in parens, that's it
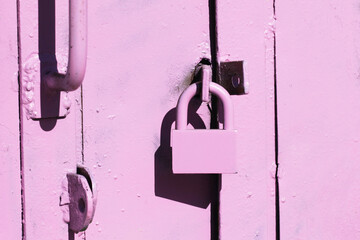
(77, 51)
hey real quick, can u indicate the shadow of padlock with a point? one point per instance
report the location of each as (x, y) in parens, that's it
(78, 199)
(204, 150)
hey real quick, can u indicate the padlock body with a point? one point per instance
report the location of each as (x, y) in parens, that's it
(204, 151)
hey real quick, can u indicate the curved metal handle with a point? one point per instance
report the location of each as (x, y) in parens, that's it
(191, 91)
(77, 50)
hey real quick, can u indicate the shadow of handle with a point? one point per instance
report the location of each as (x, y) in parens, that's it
(77, 51)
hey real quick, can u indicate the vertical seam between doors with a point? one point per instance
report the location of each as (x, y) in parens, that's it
(82, 135)
(82, 125)
(21, 148)
(215, 201)
(277, 190)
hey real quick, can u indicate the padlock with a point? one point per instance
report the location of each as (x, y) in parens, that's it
(204, 150)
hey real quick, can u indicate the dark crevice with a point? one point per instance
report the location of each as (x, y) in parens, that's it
(21, 148)
(48, 118)
(277, 193)
(215, 208)
(82, 141)
(71, 234)
(214, 40)
(82, 126)
(215, 202)
(85, 173)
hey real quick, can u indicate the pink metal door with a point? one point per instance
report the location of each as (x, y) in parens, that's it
(298, 126)
(141, 56)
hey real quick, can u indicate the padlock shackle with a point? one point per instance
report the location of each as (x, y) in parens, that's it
(190, 92)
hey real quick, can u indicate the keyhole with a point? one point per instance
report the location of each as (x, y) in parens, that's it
(81, 205)
(236, 80)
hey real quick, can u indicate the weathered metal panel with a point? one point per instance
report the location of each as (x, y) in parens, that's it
(318, 45)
